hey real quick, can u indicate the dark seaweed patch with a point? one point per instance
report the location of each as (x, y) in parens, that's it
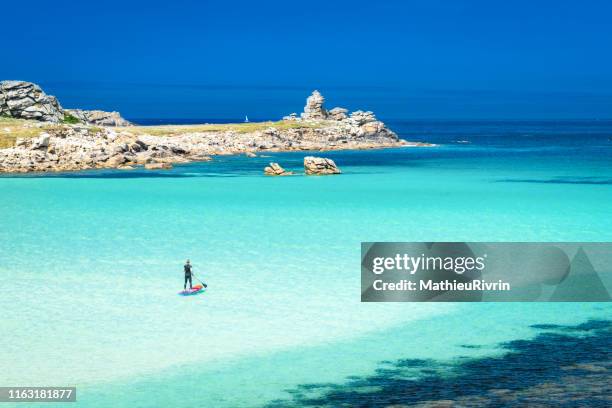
(546, 326)
(553, 369)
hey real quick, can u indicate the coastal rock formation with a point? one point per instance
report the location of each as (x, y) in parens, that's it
(337, 114)
(25, 100)
(275, 169)
(320, 166)
(361, 118)
(358, 124)
(99, 118)
(314, 107)
(39, 146)
(64, 147)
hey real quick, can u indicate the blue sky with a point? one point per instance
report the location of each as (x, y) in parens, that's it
(402, 59)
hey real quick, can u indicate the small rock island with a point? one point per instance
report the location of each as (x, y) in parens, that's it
(38, 135)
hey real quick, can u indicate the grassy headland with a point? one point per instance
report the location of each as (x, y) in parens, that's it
(178, 130)
(11, 129)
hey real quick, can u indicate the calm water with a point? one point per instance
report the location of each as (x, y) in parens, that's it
(91, 263)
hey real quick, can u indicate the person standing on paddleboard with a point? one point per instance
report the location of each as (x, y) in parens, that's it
(187, 268)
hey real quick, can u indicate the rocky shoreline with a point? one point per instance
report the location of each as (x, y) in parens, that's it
(53, 145)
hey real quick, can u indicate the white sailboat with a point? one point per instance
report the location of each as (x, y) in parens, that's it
(246, 119)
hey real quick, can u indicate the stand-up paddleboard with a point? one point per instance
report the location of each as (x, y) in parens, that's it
(193, 291)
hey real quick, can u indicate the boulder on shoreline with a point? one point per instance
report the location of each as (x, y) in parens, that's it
(275, 169)
(320, 166)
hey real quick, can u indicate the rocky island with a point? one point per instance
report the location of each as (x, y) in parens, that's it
(38, 135)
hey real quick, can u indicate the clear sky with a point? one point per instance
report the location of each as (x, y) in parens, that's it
(402, 59)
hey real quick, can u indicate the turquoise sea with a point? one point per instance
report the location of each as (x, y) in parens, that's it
(91, 264)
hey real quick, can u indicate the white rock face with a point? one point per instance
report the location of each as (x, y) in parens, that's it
(25, 100)
(314, 107)
(320, 166)
(42, 142)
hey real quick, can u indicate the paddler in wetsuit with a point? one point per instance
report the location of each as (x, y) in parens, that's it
(187, 268)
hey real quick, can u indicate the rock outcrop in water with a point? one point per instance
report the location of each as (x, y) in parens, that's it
(275, 169)
(25, 100)
(320, 166)
(64, 147)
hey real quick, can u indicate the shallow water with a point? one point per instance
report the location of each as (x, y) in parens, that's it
(91, 262)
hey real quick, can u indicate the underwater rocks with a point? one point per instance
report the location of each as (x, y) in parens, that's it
(320, 166)
(158, 166)
(26, 100)
(275, 169)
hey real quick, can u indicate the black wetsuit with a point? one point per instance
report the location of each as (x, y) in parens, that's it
(187, 276)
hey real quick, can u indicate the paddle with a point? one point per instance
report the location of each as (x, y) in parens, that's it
(198, 279)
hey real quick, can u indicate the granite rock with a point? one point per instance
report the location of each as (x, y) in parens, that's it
(98, 117)
(25, 100)
(275, 169)
(314, 109)
(337, 114)
(320, 166)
